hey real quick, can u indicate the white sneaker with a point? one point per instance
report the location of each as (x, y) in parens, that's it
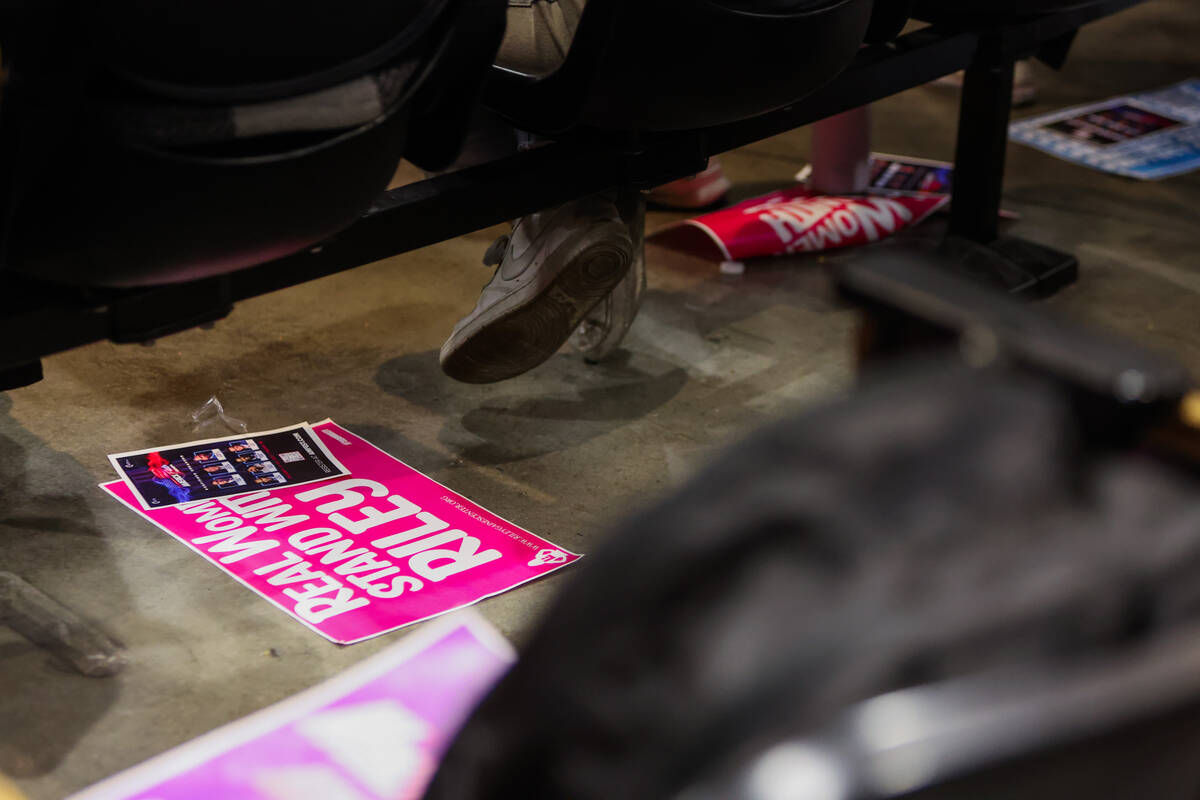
(605, 326)
(557, 265)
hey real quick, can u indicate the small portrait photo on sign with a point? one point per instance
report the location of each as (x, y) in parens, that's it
(270, 479)
(226, 481)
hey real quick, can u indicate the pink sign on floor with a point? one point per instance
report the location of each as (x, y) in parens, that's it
(375, 732)
(354, 557)
(796, 220)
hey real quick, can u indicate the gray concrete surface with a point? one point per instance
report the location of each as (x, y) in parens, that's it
(560, 450)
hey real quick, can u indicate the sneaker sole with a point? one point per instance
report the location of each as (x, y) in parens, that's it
(531, 332)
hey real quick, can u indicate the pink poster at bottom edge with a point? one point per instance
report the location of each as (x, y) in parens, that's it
(374, 732)
(359, 556)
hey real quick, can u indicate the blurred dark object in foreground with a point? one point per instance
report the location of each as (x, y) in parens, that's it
(977, 576)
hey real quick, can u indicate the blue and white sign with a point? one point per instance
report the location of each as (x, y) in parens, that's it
(1149, 135)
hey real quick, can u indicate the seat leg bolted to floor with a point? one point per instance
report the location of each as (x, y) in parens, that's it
(1016, 265)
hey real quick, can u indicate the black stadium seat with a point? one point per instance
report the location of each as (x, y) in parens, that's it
(990, 11)
(148, 143)
(228, 50)
(724, 59)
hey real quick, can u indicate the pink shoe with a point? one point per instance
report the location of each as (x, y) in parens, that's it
(698, 191)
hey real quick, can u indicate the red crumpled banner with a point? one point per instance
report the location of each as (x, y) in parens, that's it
(796, 220)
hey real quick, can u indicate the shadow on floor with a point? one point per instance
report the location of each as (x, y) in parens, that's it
(45, 707)
(560, 405)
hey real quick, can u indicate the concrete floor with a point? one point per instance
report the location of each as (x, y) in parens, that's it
(560, 450)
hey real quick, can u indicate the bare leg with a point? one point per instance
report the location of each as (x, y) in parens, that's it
(841, 153)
